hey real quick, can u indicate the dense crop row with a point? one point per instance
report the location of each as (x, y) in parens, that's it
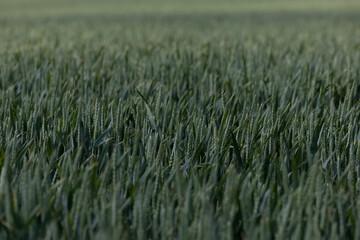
(180, 130)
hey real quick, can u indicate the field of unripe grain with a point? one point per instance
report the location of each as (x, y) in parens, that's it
(230, 121)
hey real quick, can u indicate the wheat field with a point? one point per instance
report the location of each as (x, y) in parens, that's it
(179, 120)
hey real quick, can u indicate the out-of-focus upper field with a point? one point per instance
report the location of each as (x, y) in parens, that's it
(55, 8)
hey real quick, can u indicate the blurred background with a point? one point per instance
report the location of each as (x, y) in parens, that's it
(55, 8)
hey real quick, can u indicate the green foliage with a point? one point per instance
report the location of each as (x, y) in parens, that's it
(170, 128)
